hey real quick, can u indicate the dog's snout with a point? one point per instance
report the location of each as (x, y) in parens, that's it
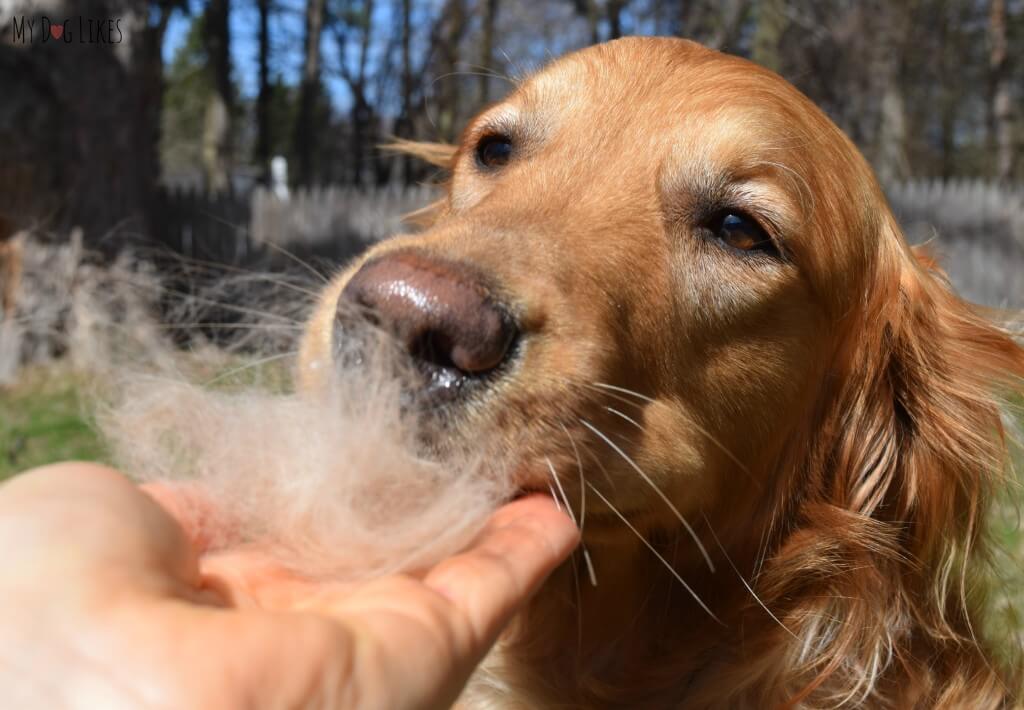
(440, 311)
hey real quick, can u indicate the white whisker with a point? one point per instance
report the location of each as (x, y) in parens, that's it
(721, 447)
(590, 567)
(561, 490)
(654, 487)
(583, 479)
(657, 554)
(632, 421)
(554, 497)
(746, 584)
(624, 390)
(250, 366)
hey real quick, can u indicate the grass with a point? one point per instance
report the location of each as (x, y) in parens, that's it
(43, 419)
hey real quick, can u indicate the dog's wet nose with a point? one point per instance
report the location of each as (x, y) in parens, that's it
(440, 311)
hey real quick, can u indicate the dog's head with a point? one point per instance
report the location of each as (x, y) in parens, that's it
(661, 275)
(645, 215)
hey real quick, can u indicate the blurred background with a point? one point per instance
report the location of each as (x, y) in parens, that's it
(149, 148)
(160, 120)
(191, 170)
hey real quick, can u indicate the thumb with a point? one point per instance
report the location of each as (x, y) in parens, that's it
(433, 632)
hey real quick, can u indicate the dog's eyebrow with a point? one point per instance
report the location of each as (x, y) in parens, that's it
(769, 201)
(502, 119)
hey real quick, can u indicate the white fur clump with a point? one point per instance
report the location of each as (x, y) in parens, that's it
(332, 484)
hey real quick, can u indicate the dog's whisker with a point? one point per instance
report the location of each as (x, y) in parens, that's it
(250, 366)
(655, 552)
(276, 247)
(629, 419)
(624, 390)
(242, 274)
(701, 430)
(590, 567)
(301, 262)
(593, 457)
(656, 489)
(583, 478)
(561, 490)
(554, 497)
(616, 397)
(228, 326)
(744, 582)
(192, 298)
(583, 505)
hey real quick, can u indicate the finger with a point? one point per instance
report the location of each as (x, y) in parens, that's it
(433, 633)
(207, 525)
(86, 517)
(524, 542)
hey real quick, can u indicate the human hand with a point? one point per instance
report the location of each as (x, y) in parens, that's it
(109, 602)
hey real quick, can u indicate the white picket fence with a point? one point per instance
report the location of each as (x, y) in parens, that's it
(976, 227)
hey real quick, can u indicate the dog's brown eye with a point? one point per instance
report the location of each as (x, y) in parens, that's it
(493, 151)
(738, 231)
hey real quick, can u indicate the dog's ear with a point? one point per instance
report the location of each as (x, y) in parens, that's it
(441, 155)
(927, 375)
(902, 472)
(912, 453)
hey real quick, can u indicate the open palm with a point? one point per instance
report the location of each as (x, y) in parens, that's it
(110, 602)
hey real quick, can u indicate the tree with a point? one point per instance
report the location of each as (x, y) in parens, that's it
(264, 137)
(309, 91)
(217, 143)
(490, 18)
(77, 157)
(1000, 117)
(452, 30)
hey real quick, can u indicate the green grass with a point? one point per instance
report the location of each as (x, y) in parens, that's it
(43, 419)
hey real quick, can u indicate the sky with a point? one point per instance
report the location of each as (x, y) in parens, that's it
(286, 36)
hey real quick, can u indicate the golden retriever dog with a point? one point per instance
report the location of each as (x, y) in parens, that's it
(663, 281)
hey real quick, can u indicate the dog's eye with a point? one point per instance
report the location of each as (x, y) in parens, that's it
(738, 231)
(493, 151)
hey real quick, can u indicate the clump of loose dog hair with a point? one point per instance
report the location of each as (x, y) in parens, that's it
(188, 372)
(337, 483)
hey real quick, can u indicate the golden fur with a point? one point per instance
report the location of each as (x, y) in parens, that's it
(827, 422)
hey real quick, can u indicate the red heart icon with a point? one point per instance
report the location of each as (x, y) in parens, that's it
(57, 31)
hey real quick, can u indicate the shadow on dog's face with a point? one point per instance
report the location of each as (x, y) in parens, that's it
(633, 283)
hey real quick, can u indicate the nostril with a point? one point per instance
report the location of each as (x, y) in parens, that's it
(486, 343)
(433, 348)
(440, 311)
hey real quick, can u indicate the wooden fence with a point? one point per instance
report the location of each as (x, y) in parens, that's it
(330, 222)
(978, 226)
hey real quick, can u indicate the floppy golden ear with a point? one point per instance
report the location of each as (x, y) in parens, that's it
(904, 471)
(926, 441)
(441, 155)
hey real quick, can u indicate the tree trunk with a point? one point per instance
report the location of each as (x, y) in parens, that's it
(74, 157)
(890, 141)
(615, 18)
(487, 49)
(263, 128)
(305, 140)
(217, 146)
(771, 24)
(448, 100)
(404, 127)
(591, 12)
(1000, 124)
